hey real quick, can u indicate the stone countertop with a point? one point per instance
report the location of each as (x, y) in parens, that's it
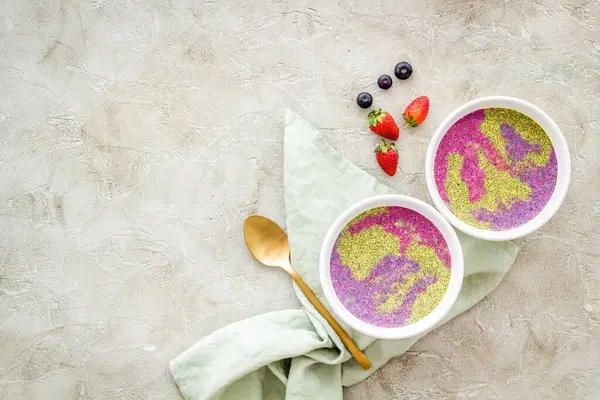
(136, 137)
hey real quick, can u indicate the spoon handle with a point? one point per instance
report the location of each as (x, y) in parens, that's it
(360, 357)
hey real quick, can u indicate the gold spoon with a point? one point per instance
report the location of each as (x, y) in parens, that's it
(269, 244)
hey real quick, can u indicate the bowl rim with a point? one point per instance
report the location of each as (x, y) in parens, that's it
(456, 274)
(560, 148)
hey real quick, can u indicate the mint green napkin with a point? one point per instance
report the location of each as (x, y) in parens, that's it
(294, 354)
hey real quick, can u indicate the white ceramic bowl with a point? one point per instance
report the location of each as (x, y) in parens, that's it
(560, 148)
(456, 274)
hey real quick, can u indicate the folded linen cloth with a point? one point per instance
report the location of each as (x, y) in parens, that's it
(295, 354)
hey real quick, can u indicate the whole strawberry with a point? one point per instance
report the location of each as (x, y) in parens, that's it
(383, 124)
(416, 112)
(387, 157)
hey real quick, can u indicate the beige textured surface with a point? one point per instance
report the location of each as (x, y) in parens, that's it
(121, 242)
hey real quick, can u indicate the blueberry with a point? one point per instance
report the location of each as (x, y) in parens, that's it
(364, 100)
(384, 82)
(403, 70)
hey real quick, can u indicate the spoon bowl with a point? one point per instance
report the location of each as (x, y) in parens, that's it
(267, 242)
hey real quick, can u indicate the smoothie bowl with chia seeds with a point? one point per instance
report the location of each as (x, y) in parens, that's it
(391, 266)
(498, 168)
